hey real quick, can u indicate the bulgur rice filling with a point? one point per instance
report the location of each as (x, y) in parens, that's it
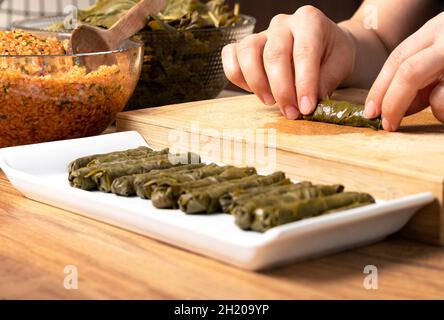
(46, 98)
(18, 42)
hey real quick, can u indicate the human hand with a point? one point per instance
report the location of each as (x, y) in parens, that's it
(298, 59)
(412, 78)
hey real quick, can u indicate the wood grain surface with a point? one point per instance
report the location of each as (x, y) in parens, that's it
(37, 242)
(387, 165)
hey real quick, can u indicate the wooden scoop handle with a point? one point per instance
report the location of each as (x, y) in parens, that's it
(133, 21)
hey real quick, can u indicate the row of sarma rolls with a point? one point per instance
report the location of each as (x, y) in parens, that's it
(171, 181)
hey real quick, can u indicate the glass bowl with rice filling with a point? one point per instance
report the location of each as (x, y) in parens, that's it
(182, 45)
(48, 94)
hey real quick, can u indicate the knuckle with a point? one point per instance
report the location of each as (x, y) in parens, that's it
(389, 112)
(226, 51)
(303, 51)
(407, 72)
(232, 71)
(283, 94)
(258, 86)
(396, 58)
(248, 43)
(309, 11)
(233, 74)
(255, 86)
(278, 20)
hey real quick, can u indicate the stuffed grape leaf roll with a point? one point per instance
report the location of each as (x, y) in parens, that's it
(206, 200)
(343, 113)
(168, 191)
(230, 200)
(284, 212)
(84, 161)
(121, 158)
(102, 176)
(82, 178)
(126, 185)
(244, 210)
(145, 190)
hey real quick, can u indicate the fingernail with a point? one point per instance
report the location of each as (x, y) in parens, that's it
(386, 125)
(306, 105)
(370, 109)
(268, 99)
(291, 112)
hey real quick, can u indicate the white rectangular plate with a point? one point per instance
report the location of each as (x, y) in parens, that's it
(40, 173)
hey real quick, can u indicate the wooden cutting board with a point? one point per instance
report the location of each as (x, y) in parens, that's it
(387, 165)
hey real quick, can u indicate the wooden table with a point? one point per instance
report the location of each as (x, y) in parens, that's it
(37, 242)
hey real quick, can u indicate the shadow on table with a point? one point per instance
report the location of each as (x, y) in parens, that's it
(350, 264)
(427, 128)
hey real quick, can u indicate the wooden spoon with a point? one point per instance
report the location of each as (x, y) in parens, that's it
(87, 39)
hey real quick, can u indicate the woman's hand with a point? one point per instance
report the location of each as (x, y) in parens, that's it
(412, 77)
(298, 59)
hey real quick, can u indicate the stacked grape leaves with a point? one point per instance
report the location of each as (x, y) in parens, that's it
(171, 181)
(177, 15)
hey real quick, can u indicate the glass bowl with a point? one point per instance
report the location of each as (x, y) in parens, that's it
(178, 66)
(55, 97)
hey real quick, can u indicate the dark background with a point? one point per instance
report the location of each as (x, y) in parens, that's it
(264, 10)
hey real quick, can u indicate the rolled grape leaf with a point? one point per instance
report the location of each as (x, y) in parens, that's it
(105, 177)
(233, 199)
(285, 212)
(244, 211)
(102, 176)
(145, 187)
(84, 161)
(120, 158)
(126, 186)
(206, 200)
(343, 113)
(165, 196)
(168, 191)
(82, 177)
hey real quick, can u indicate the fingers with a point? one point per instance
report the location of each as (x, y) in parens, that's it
(414, 74)
(307, 55)
(437, 101)
(278, 63)
(232, 68)
(412, 45)
(282, 65)
(249, 55)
